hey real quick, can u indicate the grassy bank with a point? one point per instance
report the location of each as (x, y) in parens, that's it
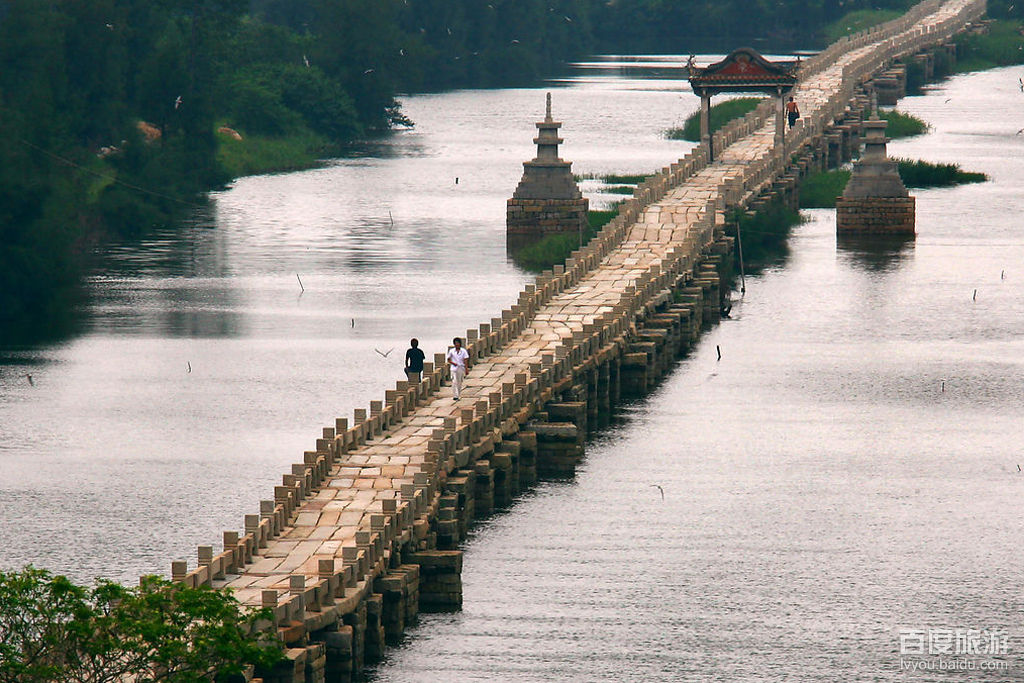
(554, 249)
(255, 154)
(926, 174)
(902, 125)
(820, 190)
(856, 21)
(1003, 45)
(721, 114)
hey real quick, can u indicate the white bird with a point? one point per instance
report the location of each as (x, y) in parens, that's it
(382, 353)
(368, 71)
(568, 19)
(177, 101)
(305, 60)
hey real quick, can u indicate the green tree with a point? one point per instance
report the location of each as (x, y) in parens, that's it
(159, 632)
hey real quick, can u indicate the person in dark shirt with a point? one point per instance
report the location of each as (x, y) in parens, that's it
(414, 361)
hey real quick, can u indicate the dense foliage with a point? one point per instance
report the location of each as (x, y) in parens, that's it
(54, 630)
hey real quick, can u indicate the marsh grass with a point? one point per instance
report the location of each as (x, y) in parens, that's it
(554, 249)
(1003, 45)
(926, 174)
(820, 190)
(721, 114)
(255, 154)
(902, 125)
(856, 21)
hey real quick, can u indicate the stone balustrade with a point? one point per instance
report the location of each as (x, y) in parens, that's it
(363, 533)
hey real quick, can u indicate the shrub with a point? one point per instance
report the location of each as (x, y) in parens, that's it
(159, 632)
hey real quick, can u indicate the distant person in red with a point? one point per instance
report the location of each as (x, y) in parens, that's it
(792, 111)
(414, 361)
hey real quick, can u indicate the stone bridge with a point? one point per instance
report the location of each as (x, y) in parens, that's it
(364, 532)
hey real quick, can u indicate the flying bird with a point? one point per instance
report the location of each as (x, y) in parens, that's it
(305, 60)
(660, 490)
(189, 363)
(368, 71)
(383, 353)
(177, 101)
(30, 381)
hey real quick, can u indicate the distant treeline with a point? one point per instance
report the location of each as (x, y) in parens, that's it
(108, 108)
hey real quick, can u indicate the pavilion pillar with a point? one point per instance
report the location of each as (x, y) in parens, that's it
(705, 124)
(780, 121)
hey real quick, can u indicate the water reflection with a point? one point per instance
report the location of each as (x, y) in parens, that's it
(875, 253)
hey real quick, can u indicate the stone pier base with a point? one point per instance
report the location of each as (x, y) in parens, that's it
(528, 220)
(875, 215)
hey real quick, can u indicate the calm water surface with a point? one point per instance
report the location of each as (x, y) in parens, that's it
(848, 469)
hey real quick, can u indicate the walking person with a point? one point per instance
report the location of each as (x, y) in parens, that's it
(792, 111)
(414, 361)
(458, 363)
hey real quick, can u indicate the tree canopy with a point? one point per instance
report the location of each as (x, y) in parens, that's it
(54, 630)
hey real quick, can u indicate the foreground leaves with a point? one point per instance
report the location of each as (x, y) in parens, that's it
(159, 632)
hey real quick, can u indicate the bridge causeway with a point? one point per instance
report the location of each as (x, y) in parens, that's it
(363, 533)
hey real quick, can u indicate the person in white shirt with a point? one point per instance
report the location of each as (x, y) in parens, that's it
(458, 363)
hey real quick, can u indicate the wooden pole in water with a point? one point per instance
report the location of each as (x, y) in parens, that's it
(739, 247)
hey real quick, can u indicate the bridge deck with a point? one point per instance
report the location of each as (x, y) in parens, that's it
(675, 227)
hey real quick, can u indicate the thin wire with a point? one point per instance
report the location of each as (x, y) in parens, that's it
(113, 179)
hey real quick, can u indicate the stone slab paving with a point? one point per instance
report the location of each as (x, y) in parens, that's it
(374, 473)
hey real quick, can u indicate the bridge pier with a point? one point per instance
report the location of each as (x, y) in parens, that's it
(398, 488)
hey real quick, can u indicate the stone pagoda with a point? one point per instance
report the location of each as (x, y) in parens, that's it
(547, 200)
(875, 200)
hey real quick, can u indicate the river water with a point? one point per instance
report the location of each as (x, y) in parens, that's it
(848, 469)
